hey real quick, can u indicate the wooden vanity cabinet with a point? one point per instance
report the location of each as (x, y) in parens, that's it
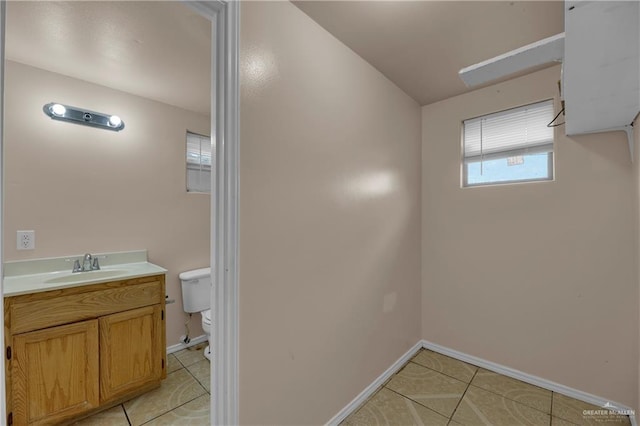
(76, 351)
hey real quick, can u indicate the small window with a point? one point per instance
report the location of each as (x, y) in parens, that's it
(510, 146)
(199, 161)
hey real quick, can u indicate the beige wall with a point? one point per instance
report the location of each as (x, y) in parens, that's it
(539, 277)
(329, 220)
(90, 190)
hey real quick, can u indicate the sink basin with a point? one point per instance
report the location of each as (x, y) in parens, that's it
(86, 276)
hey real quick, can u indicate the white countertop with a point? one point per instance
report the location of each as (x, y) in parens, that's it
(33, 276)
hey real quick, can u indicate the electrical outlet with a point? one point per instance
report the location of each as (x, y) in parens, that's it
(26, 240)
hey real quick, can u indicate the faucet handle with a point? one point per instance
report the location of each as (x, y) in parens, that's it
(95, 266)
(76, 266)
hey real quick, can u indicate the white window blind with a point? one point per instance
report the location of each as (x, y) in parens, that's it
(199, 161)
(509, 133)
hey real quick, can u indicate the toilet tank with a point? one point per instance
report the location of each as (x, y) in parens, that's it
(196, 290)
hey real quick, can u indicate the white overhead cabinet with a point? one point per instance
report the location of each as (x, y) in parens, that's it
(600, 51)
(601, 71)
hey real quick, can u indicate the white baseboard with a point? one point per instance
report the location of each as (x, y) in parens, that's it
(369, 390)
(528, 378)
(180, 346)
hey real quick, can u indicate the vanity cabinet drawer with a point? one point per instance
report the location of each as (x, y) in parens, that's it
(47, 309)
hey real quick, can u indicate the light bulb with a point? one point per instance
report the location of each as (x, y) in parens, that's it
(115, 121)
(58, 109)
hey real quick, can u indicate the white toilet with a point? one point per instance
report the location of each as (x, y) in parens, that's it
(196, 297)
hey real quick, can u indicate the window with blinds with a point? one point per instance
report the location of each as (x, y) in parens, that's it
(509, 146)
(199, 163)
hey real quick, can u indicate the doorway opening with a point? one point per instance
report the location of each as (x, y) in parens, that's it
(223, 102)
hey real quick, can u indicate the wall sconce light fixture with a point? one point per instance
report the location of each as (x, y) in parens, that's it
(82, 116)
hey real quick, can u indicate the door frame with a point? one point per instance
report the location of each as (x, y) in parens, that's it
(225, 130)
(225, 114)
(3, 402)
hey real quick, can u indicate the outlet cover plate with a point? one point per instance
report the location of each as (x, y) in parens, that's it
(26, 240)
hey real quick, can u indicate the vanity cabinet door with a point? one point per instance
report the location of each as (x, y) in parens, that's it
(55, 373)
(131, 351)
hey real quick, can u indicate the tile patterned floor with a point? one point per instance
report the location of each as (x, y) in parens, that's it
(433, 389)
(182, 399)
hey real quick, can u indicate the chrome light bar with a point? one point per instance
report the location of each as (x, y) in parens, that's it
(83, 116)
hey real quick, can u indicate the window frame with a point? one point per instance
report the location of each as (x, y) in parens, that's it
(195, 167)
(464, 178)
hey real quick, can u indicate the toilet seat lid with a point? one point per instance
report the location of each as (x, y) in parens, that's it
(207, 315)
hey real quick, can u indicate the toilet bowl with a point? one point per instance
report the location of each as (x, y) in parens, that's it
(196, 296)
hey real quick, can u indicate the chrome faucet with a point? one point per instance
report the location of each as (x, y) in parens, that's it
(89, 263)
(86, 263)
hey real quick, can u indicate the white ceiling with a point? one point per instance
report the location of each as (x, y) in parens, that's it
(157, 50)
(421, 45)
(161, 49)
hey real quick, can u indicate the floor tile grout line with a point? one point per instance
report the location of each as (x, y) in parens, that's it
(199, 384)
(193, 349)
(413, 400)
(474, 374)
(182, 366)
(567, 420)
(198, 380)
(185, 366)
(178, 359)
(438, 371)
(450, 419)
(469, 384)
(453, 413)
(428, 368)
(455, 360)
(396, 373)
(161, 414)
(377, 391)
(173, 409)
(125, 413)
(479, 387)
(550, 413)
